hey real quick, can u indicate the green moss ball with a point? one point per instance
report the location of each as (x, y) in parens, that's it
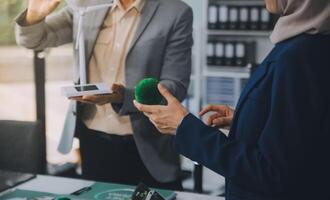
(146, 92)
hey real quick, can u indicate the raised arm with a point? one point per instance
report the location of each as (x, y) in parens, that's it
(37, 28)
(276, 160)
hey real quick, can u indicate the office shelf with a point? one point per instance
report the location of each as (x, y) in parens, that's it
(239, 33)
(224, 84)
(239, 2)
(204, 73)
(226, 71)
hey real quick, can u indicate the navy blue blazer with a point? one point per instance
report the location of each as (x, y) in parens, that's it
(279, 142)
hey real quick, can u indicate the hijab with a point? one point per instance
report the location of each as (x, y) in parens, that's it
(301, 16)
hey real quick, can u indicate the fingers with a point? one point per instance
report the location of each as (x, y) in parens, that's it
(213, 117)
(213, 108)
(81, 100)
(163, 129)
(53, 5)
(93, 99)
(147, 114)
(158, 122)
(165, 93)
(146, 108)
(222, 118)
(222, 122)
(75, 98)
(158, 125)
(207, 109)
(117, 87)
(39, 9)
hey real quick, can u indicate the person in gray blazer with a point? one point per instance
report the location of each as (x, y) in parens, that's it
(132, 40)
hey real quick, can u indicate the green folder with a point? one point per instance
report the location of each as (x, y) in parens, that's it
(99, 191)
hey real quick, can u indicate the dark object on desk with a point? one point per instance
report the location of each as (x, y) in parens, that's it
(63, 198)
(81, 191)
(142, 192)
(146, 92)
(10, 179)
(21, 147)
(211, 54)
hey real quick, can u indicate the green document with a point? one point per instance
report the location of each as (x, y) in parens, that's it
(99, 191)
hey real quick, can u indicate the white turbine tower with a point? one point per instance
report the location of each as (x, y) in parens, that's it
(80, 39)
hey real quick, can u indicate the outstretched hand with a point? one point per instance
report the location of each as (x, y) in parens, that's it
(39, 9)
(222, 117)
(166, 118)
(117, 96)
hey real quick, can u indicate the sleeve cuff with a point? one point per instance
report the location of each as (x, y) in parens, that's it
(191, 137)
(127, 107)
(28, 36)
(183, 130)
(20, 21)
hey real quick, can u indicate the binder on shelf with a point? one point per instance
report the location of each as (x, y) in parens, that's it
(254, 18)
(233, 18)
(243, 18)
(220, 53)
(223, 14)
(250, 51)
(210, 53)
(240, 54)
(229, 54)
(265, 23)
(213, 17)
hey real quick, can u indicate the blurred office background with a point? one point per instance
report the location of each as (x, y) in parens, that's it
(231, 38)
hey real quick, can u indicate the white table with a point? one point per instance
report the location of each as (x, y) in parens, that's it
(58, 185)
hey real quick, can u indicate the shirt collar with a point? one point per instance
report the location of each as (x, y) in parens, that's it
(137, 4)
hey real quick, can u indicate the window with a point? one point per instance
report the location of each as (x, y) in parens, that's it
(17, 89)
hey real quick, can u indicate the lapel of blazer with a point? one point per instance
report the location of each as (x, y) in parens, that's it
(147, 13)
(257, 76)
(255, 79)
(95, 22)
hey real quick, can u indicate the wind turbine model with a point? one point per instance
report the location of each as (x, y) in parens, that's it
(80, 47)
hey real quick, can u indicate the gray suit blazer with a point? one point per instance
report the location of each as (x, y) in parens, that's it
(161, 48)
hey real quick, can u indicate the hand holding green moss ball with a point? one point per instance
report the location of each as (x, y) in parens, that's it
(146, 92)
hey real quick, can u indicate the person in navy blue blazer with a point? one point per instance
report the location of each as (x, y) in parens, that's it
(279, 141)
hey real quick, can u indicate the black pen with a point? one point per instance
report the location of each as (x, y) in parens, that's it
(82, 190)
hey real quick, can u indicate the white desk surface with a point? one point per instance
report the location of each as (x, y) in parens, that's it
(65, 185)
